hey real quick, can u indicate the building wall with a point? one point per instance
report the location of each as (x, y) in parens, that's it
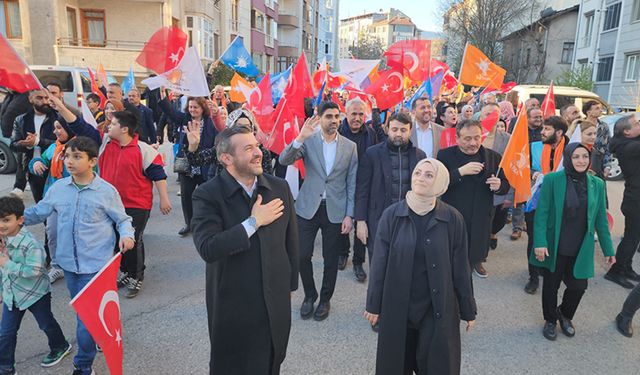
(624, 94)
(561, 30)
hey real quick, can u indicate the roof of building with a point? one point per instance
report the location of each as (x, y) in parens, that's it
(397, 20)
(547, 16)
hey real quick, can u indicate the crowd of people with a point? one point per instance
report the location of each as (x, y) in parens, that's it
(378, 184)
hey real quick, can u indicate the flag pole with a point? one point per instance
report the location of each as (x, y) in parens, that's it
(464, 54)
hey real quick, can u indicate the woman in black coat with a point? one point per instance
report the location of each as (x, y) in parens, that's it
(420, 282)
(198, 115)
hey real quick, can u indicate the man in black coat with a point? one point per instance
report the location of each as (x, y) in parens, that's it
(473, 183)
(384, 177)
(147, 125)
(354, 128)
(244, 226)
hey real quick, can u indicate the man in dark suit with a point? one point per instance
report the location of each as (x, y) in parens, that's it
(326, 200)
(474, 179)
(384, 177)
(245, 228)
(147, 125)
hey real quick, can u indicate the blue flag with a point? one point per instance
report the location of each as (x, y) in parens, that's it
(278, 83)
(318, 99)
(423, 90)
(436, 83)
(128, 82)
(238, 58)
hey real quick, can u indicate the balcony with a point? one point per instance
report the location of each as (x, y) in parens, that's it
(115, 55)
(268, 40)
(104, 44)
(289, 51)
(288, 20)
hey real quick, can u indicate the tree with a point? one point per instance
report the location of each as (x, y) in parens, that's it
(220, 74)
(580, 77)
(368, 47)
(482, 23)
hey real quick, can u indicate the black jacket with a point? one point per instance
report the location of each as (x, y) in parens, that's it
(449, 276)
(147, 129)
(14, 105)
(363, 139)
(248, 280)
(23, 124)
(374, 183)
(627, 150)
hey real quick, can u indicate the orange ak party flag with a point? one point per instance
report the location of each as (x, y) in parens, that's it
(478, 70)
(240, 89)
(515, 161)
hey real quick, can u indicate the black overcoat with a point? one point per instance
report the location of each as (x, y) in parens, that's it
(472, 197)
(248, 280)
(373, 184)
(449, 279)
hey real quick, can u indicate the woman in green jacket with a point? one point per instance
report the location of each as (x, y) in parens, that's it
(571, 206)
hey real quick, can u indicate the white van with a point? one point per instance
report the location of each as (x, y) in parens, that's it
(563, 95)
(74, 81)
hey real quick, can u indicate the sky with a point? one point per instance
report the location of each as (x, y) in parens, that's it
(425, 14)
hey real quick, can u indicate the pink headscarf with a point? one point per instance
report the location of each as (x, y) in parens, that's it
(506, 111)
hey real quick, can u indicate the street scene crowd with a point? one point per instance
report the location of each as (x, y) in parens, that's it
(416, 178)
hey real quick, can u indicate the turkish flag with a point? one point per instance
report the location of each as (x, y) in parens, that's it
(506, 87)
(387, 89)
(285, 130)
(356, 93)
(260, 102)
(414, 56)
(489, 122)
(298, 87)
(164, 50)
(96, 90)
(98, 306)
(438, 66)
(478, 70)
(515, 160)
(548, 106)
(336, 99)
(14, 73)
(448, 138)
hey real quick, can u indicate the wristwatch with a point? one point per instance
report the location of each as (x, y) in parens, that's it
(253, 222)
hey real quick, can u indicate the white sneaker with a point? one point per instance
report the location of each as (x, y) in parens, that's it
(17, 193)
(55, 274)
(178, 192)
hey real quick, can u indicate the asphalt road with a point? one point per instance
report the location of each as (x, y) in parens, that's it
(165, 327)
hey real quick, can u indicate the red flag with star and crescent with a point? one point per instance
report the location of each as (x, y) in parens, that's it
(548, 105)
(298, 87)
(285, 129)
(14, 72)
(388, 88)
(98, 306)
(260, 102)
(164, 50)
(413, 56)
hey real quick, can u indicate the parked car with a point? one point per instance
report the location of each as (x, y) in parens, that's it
(615, 173)
(8, 162)
(563, 95)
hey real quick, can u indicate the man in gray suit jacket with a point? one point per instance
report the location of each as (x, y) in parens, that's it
(425, 134)
(326, 200)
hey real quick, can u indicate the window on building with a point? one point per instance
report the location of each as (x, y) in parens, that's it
(528, 58)
(216, 45)
(72, 26)
(257, 20)
(635, 16)
(271, 4)
(206, 44)
(270, 30)
(632, 68)
(10, 26)
(605, 67)
(612, 17)
(94, 32)
(588, 29)
(567, 53)
(234, 15)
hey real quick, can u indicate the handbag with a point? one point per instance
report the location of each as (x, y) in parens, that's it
(181, 163)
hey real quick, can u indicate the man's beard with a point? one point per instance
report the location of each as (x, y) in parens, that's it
(551, 140)
(42, 108)
(399, 142)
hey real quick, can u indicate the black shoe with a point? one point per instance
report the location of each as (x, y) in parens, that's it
(619, 279)
(493, 243)
(624, 326)
(361, 276)
(549, 331)
(565, 325)
(342, 262)
(532, 285)
(631, 275)
(184, 231)
(322, 311)
(306, 310)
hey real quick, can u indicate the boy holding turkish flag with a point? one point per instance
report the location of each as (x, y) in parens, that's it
(87, 208)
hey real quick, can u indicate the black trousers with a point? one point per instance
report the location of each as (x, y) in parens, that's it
(534, 271)
(187, 186)
(632, 303)
(417, 344)
(358, 249)
(21, 172)
(133, 260)
(631, 238)
(572, 295)
(500, 214)
(331, 242)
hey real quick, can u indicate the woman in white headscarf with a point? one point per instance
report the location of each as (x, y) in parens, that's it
(420, 280)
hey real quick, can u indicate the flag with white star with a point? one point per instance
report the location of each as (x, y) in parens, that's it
(239, 59)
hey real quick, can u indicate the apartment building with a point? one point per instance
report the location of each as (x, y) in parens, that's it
(264, 34)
